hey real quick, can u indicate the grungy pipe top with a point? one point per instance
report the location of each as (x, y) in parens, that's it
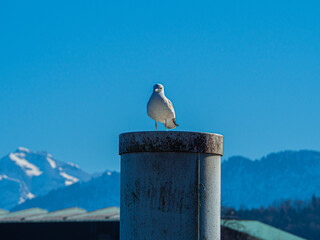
(174, 141)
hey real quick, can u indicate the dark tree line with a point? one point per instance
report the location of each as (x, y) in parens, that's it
(301, 218)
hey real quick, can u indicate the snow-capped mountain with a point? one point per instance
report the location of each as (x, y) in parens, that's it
(278, 176)
(25, 174)
(100, 192)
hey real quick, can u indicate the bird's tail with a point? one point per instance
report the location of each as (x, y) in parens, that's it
(171, 124)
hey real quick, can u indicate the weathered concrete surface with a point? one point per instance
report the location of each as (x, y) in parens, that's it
(171, 141)
(210, 197)
(173, 194)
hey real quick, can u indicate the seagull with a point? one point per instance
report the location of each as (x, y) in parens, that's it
(160, 108)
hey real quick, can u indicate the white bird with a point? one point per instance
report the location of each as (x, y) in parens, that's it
(160, 108)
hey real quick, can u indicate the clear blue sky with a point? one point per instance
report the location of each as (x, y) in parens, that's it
(75, 74)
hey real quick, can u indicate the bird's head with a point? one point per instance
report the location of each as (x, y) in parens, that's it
(158, 88)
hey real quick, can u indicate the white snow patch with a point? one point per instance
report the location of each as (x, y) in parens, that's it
(67, 182)
(51, 162)
(109, 173)
(23, 149)
(73, 165)
(29, 168)
(9, 178)
(21, 200)
(69, 179)
(3, 177)
(30, 195)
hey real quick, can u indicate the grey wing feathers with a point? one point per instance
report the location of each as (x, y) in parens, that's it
(172, 124)
(170, 105)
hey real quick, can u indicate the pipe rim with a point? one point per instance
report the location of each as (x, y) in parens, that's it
(171, 141)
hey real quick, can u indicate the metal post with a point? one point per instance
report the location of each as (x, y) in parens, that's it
(170, 185)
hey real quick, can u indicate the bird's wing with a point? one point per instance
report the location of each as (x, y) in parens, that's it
(171, 124)
(170, 105)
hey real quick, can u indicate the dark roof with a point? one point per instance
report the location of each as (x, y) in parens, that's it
(59, 215)
(70, 214)
(236, 229)
(21, 215)
(100, 215)
(2, 212)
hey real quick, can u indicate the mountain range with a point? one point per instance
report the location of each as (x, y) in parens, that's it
(35, 179)
(25, 175)
(100, 192)
(276, 177)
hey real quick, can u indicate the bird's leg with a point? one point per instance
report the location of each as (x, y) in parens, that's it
(165, 124)
(156, 126)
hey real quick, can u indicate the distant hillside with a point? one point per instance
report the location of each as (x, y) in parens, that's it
(100, 192)
(25, 174)
(245, 183)
(283, 175)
